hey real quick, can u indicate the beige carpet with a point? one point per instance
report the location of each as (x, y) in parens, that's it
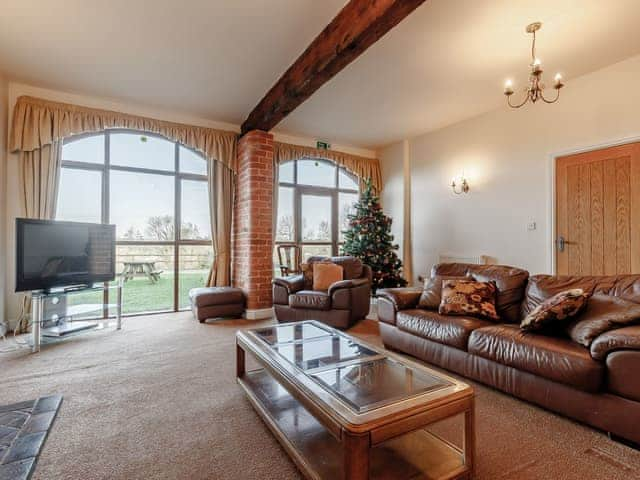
(159, 401)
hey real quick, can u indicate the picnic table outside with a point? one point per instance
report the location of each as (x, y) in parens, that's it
(137, 269)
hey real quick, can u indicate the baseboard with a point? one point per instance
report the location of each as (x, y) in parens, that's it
(373, 309)
(259, 314)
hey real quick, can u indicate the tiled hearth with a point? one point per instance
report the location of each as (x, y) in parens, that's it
(23, 429)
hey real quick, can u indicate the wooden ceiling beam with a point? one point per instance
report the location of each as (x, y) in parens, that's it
(358, 26)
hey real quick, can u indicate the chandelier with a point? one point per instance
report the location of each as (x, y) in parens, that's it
(535, 90)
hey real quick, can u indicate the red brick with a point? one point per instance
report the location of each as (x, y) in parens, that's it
(253, 224)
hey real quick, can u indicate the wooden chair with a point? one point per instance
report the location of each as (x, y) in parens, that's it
(289, 255)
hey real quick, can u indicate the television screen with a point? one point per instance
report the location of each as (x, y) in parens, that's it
(61, 254)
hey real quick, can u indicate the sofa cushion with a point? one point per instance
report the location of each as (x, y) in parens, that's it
(351, 266)
(622, 374)
(432, 292)
(554, 358)
(510, 284)
(603, 313)
(627, 338)
(556, 311)
(452, 331)
(310, 299)
(469, 298)
(307, 271)
(541, 287)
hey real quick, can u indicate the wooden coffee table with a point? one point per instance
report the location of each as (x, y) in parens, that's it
(343, 409)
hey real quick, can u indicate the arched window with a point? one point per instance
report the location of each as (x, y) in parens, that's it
(314, 199)
(155, 191)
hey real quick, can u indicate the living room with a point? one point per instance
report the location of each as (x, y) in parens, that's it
(339, 239)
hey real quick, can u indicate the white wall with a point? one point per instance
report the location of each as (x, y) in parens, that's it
(506, 156)
(396, 198)
(4, 120)
(9, 179)
(392, 166)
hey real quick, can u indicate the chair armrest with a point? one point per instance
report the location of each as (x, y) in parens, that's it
(401, 298)
(356, 282)
(627, 338)
(292, 284)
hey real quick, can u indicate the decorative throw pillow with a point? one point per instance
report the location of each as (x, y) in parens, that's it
(432, 291)
(603, 313)
(555, 311)
(466, 297)
(325, 275)
(307, 272)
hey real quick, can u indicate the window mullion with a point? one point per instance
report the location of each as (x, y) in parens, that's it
(176, 229)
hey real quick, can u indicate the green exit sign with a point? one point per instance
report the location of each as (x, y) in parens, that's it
(323, 145)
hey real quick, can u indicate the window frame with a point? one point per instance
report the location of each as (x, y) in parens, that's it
(333, 192)
(106, 168)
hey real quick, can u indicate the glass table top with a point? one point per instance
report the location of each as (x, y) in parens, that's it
(323, 352)
(292, 332)
(361, 377)
(371, 384)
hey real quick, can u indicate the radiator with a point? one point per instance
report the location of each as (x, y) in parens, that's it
(476, 260)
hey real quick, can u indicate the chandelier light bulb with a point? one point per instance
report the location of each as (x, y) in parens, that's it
(508, 87)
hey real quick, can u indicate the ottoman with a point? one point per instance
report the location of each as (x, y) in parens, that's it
(214, 302)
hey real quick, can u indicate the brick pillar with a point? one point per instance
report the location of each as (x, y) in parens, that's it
(252, 264)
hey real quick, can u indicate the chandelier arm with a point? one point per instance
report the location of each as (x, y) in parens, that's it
(526, 99)
(550, 101)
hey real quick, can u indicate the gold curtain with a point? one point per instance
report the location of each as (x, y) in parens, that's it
(362, 167)
(38, 122)
(39, 127)
(39, 178)
(221, 197)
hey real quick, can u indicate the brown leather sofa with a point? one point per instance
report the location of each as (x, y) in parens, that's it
(345, 302)
(599, 386)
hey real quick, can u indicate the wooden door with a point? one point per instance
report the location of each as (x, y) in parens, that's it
(598, 212)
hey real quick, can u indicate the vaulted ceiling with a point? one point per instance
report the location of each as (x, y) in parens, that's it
(444, 63)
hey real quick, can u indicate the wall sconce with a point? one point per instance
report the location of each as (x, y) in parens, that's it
(461, 186)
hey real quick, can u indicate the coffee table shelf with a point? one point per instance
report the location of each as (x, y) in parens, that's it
(317, 453)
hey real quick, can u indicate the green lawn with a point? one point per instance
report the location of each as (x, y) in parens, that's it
(140, 295)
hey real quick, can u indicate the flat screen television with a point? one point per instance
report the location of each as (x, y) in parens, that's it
(52, 254)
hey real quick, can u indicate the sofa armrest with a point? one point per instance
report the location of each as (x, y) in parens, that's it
(292, 284)
(392, 300)
(627, 338)
(401, 298)
(356, 282)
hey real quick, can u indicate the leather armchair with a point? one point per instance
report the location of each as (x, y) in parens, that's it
(341, 306)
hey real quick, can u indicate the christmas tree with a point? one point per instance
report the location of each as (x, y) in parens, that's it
(368, 237)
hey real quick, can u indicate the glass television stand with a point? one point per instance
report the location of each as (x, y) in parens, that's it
(59, 314)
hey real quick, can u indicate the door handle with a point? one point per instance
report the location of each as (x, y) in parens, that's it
(562, 243)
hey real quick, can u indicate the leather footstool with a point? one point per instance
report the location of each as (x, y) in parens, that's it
(215, 302)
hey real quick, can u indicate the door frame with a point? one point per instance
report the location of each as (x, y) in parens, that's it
(553, 157)
(315, 191)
